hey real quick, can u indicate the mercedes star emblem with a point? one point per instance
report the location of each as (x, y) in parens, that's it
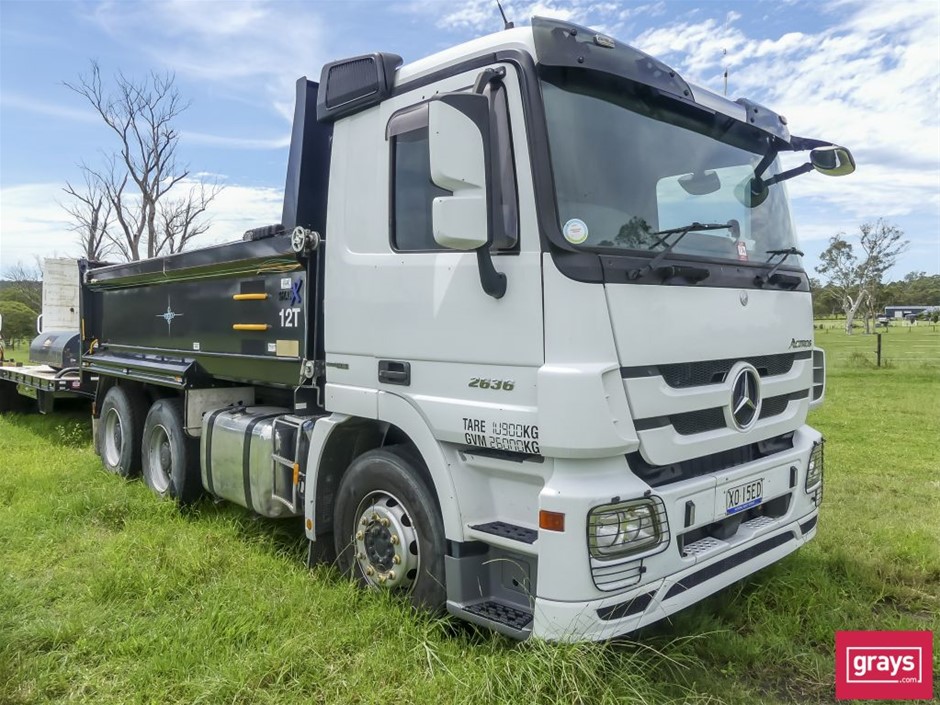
(744, 409)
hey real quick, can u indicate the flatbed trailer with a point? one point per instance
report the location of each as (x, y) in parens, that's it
(50, 370)
(43, 384)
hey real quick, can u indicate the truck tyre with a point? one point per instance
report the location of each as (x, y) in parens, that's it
(388, 529)
(120, 428)
(170, 458)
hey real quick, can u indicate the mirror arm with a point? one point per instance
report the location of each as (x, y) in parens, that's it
(492, 281)
(804, 144)
(788, 174)
(486, 77)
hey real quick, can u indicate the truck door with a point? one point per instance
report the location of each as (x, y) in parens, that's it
(405, 316)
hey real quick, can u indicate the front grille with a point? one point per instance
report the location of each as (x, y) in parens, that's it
(774, 406)
(702, 420)
(657, 475)
(698, 421)
(704, 372)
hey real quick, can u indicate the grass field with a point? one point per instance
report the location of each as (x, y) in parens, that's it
(110, 596)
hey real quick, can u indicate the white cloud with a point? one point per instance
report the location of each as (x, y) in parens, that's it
(869, 80)
(41, 107)
(239, 208)
(33, 224)
(190, 137)
(250, 46)
(483, 16)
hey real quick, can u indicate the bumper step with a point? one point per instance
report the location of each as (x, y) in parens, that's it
(508, 531)
(501, 613)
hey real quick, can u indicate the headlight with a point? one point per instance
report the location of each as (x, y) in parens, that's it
(814, 470)
(627, 527)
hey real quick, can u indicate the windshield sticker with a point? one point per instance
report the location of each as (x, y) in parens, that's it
(575, 231)
(742, 251)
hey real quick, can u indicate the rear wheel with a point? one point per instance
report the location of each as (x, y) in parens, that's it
(170, 457)
(388, 529)
(120, 428)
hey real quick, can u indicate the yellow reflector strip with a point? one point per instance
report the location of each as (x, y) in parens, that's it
(250, 297)
(250, 326)
(296, 473)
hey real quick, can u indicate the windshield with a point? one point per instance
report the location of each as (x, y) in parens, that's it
(627, 166)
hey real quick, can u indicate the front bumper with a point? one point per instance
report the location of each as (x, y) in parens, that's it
(628, 611)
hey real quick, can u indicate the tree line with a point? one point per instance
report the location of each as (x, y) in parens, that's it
(914, 288)
(853, 270)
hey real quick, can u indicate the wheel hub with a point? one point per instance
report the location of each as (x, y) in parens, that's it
(386, 542)
(160, 457)
(113, 438)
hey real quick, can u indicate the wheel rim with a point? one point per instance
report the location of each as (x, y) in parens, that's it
(388, 550)
(113, 438)
(159, 458)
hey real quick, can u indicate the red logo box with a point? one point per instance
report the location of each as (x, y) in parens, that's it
(884, 665)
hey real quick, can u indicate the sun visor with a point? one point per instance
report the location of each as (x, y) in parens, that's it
(563, 44)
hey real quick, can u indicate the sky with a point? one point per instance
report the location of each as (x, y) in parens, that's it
(862, 73)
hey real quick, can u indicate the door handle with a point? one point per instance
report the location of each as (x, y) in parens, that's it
(395, 372)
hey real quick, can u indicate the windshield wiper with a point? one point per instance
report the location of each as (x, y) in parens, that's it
(772, 276)
(693, 273)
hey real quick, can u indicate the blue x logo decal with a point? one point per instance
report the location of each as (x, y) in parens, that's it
(295, 292)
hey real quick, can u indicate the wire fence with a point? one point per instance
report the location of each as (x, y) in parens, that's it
(900, 344)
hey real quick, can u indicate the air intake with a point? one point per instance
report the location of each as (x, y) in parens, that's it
(354, 84)
(819, 377)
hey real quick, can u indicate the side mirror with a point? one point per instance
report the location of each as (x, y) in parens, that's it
(458, 142)
(460, 155)
(832, 160)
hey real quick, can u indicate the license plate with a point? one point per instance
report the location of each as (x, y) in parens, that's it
(745, 496)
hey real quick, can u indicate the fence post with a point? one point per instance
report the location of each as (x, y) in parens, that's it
(878, 351)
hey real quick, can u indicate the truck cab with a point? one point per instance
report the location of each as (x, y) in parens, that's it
(556, 336)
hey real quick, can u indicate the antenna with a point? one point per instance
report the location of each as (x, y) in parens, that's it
(506, 23)
(724, 53)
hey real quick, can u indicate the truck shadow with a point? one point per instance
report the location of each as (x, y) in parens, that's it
(71, 425)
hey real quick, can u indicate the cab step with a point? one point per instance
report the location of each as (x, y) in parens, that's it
(505, 530)
(511, 620)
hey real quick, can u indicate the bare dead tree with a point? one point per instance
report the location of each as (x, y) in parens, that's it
(139, 176)
(91, 211)
(182, 219)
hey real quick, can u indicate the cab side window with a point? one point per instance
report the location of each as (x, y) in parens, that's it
(412, 191)
(412, 188)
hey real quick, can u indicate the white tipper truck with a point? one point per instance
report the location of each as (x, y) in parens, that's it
(533, 342)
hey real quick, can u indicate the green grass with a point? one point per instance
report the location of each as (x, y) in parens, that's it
(110, 596)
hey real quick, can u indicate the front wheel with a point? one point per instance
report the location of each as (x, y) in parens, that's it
(169, 456)
(389, 533)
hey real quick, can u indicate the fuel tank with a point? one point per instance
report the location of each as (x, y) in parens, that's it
(239, 462)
